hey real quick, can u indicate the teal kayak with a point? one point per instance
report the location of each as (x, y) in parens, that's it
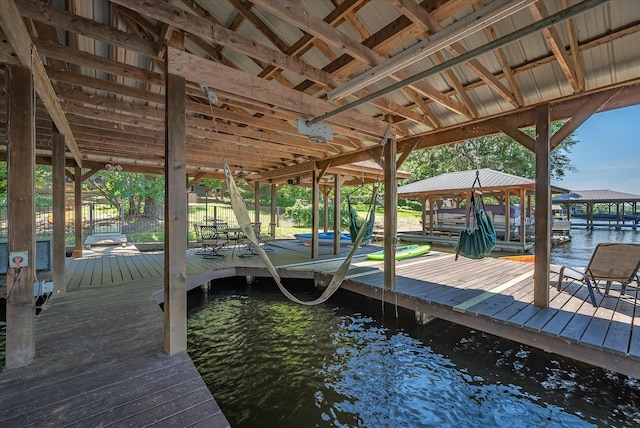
(404, 252)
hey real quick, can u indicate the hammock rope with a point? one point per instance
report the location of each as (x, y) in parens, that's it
(244, 221)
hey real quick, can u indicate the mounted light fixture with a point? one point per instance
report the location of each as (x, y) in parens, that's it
(112, 168)
(455, 32)
(317, 140)
(242, 177)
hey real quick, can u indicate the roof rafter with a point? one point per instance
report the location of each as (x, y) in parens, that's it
(19, 38)
(290, 12)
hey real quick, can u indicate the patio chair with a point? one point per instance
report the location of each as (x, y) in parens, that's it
(266, 239)
(214, 239)
(243, 240)
(610, 262)
(203, 248)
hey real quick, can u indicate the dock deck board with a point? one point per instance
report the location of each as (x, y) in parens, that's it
(99, 348)
(100, 358)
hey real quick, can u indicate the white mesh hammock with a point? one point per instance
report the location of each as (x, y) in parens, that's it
(242, 215)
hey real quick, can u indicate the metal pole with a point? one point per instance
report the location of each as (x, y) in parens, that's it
(498, 43)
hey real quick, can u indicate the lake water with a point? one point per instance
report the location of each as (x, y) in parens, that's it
(578, 251)
(349, 363)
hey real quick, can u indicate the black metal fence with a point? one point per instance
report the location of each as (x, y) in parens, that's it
(105, 218)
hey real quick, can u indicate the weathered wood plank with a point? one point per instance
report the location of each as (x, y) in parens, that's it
(619, 333)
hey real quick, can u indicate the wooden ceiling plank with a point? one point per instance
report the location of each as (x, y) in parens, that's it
(19, 38)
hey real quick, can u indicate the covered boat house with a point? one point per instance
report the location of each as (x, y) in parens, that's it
(277, 91)
(580, 205)
(441, 224)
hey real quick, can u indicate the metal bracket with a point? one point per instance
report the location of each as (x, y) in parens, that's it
(317, 133)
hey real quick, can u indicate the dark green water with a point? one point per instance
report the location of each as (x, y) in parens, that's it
(348, 363)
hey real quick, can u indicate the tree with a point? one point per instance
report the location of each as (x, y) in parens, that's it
(498, 152)
(143, 192)
(3, 181)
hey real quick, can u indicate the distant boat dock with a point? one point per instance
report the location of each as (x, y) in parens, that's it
(619, 216)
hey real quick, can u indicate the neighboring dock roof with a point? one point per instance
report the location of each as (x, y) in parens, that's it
(460, 182)
(596, 196)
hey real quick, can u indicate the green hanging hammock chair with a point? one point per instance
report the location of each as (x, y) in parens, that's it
(479, 236)
(354, 226)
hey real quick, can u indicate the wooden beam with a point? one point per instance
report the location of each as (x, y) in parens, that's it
(77, 212)
(274, 209)
(505, 126)
(214, 33)
(422, 18)
(257, 202)
(315, 221)
(20, 334)
(59, 210)
(305, 42)
(175, 243)
(552, 37)
(217, 76)
(196, 179)
(543, 209)
(405, 154)
(48, 14)
(590, 106)
(291, 12)
(337, 187)
(574, 46)
(390, 211)
(19, 38)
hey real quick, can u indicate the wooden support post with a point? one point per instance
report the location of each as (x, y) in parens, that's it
(390, 211)
(77, 209)
(257, 203)
(543, 209)
(175, 243)
(315, 206)
(423, 318)
(58, 243)
(274, 208)
(337, 187)
(507, 216)
(523, 223)
(423, 216)
(325, 217)
(20, 312)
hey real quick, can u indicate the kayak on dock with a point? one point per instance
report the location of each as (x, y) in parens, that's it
(404, 252)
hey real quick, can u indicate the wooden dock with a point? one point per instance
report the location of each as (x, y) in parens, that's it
(99, 354)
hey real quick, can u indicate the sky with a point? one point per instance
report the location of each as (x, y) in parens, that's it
(607, 155)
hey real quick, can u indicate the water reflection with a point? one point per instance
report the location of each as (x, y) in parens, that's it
(273, 363)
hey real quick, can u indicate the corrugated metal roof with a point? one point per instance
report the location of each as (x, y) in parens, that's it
(458, 182)
(606, 195)
(607, 42)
